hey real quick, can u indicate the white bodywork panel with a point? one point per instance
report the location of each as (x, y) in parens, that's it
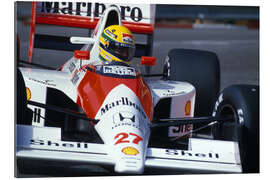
(48, 78)
(180, 93)
(45, 143)
(123, 123)
(38, 80)
(123, 127)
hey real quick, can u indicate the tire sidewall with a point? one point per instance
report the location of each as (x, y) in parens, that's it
(245, 108)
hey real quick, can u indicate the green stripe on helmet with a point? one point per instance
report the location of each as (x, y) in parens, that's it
(102, 59)
(107, 37)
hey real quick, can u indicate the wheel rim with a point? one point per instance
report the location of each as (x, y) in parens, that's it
(227, 130)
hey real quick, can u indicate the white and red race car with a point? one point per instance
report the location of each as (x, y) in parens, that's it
(87, 112)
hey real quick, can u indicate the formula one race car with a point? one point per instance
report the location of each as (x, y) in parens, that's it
(114, 115)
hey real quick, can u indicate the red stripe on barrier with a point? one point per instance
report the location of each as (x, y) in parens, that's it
(66, 20)
(141, 28)
(185, 26)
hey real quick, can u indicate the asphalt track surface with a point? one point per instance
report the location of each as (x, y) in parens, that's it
(236, 47)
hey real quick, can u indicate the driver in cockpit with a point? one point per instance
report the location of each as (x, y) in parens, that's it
(116, 45)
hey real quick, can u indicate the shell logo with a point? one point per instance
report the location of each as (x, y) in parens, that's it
(188, 108)
(28, 94)
(130, 151)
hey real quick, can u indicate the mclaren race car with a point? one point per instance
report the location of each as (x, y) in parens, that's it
(115, 115)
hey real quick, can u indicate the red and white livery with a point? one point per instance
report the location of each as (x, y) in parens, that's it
(117, 100)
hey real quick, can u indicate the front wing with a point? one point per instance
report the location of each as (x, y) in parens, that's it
(204, 155)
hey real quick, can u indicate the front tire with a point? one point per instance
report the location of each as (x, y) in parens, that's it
(242, 102)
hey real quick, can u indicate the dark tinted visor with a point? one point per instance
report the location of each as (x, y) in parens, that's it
(123, 51)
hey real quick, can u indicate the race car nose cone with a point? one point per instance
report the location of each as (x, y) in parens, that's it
(130, 166)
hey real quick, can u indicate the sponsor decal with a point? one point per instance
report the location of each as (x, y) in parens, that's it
(107, 57)
(131, 151)
(81, 145)
(49, 143)
(28, 94)
(36, 115)
(183, 153)
(45, 82)
(127, 38)
(122, 101)
(240, 115)
(127, 138)
(88, 8)
(125, 119)
(188, 108)
(240, 112)
(71, 67)
(111, 34)
(75, 77)
(119, 70)
(219, 100)
(122, 118)
(174, 131)
(171, 92)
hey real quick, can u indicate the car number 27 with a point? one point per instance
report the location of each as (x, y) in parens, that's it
(127, 138)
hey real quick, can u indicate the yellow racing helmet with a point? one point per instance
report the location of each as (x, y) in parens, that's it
(116, 44)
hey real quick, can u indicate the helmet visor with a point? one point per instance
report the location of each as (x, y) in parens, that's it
(123, 51)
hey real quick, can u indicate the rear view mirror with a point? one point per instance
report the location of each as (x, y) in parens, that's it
(82, 55)
(82, 40)
(148, 60)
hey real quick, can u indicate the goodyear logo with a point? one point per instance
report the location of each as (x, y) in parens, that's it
(131, 151)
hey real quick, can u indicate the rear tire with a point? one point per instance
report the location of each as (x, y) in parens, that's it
(201, 69)
(241, 101)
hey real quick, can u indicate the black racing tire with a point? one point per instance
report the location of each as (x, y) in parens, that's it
(21, 98)
(241, 101)
(201, 69)
(23, 113)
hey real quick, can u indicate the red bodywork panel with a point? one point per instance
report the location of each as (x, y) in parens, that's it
(148, 61)
(94, 88)
(82, 55)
